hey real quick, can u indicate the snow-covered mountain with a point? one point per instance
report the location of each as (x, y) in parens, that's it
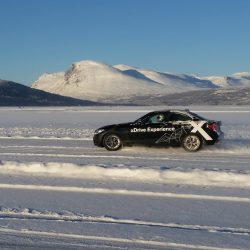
(95, 81)
(174, 82)
(98, 81)
(241, 79)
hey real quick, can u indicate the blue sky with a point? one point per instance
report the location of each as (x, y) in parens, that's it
(204, 37)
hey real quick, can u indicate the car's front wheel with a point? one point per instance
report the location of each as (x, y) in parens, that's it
(191, 143)
(112, 142)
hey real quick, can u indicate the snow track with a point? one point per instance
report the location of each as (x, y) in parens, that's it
(122, 192)
(112, 239)
(29, 214)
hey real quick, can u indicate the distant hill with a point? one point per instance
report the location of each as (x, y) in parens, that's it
(172, 83)
(15, 94)
(226, 96)
(241, 79)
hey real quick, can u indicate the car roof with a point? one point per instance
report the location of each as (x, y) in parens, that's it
(182, 111)
(185, 111)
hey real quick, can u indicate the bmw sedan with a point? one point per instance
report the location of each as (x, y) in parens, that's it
(164, 128)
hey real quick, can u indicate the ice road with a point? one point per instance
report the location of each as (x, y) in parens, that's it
(58, 191)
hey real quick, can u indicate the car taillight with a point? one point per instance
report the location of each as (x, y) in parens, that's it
(212, 126)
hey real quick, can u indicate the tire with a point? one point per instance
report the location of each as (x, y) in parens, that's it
(191, 143)
(112, 142)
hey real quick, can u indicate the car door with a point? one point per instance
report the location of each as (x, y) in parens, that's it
(137, 133)
(180, 123)
(152, 128)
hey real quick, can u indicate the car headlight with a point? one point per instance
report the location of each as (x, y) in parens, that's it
(98, 131)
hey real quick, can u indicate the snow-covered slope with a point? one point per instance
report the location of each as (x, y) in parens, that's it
(220, 81)
(241, 79)
(183, 81)
(98, 81)
(172, 81)
(46, 80)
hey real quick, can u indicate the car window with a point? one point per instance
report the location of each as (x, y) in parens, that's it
(157, 118)
(179, 117)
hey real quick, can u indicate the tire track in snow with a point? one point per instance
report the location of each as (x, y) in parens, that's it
(111, 239)
(41, 147)
(124, 192)
(143, 157)
(45, 138)
(28, 214)
(28, 147)
(86, 156)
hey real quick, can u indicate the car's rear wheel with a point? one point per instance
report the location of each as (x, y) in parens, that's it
(191, 143)
(112, 142)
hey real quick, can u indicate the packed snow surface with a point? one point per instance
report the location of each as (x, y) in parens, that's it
(59, 191)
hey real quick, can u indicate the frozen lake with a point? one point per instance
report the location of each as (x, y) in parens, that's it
(59, 191)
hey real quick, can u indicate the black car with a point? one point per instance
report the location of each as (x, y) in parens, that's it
(167, 127)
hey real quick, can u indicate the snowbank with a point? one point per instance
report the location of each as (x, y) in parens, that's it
(134, 174)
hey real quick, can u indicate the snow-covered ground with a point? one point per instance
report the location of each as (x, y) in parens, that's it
(58, 191)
